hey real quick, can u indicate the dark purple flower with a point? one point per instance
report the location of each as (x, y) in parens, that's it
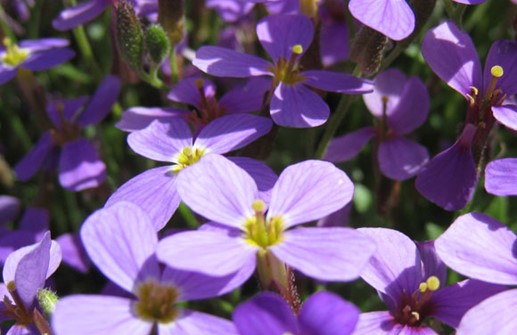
(285, 38)
(253, 233)
(121, 241)
(401, 105)
(409, 279)
(32, 55)
(79, 164)
(323, 313)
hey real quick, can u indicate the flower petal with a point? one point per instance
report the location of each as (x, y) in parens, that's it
(461, 68)
(121, 241)
(80, 166)
(500, 177)
(346, 147)
(105, 97)
(96, 314)
(337, 82)
(154, 191)
(137, 118)
(246, 98)
(263, 175)
(191, 322)
(328, 254)
(379, 323)
(7, 73)
(502, 53)
(401, 159)
(221, 62)
(186, 91)
(393, 18)
(480, 247)
(388, 85)
(298, 106)
(45, 59)
(308, 191)
(80, 14)
(30, 164)
(506, 115)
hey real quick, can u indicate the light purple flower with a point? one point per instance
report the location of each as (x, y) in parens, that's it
(32, 55)
(409, 279)
(79, 164)
(285, 38)
(155, 190)
(401, 105)
(323, 313)
(222, 192)
(121, 241)
(501, 177)
(481, 247)
(24, 274)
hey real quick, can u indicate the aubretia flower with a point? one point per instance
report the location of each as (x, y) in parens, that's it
(78, 162)
(481, 247)
(400, 105)
(155, 190)
(409, 280)
(31, 55)
(501, 177)
(323, 313)
(24, 274)
(121, 241)
(253, 233)
(450, 178)
(285, 38)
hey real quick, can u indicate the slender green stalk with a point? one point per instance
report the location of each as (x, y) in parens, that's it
(188, 216)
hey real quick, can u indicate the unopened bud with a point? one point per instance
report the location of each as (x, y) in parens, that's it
(171, 16)
(47, 301)
(368, 49)
(130, 35)
(157, 43)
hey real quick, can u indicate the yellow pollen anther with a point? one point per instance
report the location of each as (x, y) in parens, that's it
(297, 49)
(474, 90)
(258, 206)
(13, 54)
(422, 287)
(497, 71)
(416, 315)
(187, 157)
(433, 283)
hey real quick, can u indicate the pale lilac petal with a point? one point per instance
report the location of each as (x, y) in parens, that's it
(96, 314)
(504, 54)
(298, 106)
(265, 314)
(246, 98)
(18, 329)
(154, 191)
(30, 164)
(120, 241)
(223, 62)
(210, 253)
(137, 118)
(470, 2)
(279, 33)
(263, 175)
(100, 105)
(480, 247)
(80, 166)
(325, 313)
(506, 115)
(377, 323)
(401, 159)
(7, 73)
(346, 147)
(161, 141)
(308, 191)
(501, 177)
(328, 254)
(231, 132)
(395, 268)
(186, 91)
(44, 44)
(492, 316)
(450, 178)
(45, 59)
(337, 82)
(461, 68)
(393, 18)
(412, 109)
(191, 322)
(218, 190)
(74, 254)
(79, 14)
(452, 302)
(432, 264)
(388, 85)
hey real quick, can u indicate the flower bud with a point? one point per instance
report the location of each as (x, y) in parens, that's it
(47, 301)
(130, 35)
(368, 49)
(157, 43)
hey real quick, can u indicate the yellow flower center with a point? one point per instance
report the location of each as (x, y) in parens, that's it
(156, 302)
(260, 232)
(13, 54)
(187, 157)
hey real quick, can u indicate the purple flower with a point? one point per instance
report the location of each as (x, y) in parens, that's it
(155, 190)
(285, 38)
(481, 247)
(78, 163)
(247, 237)
(401, 105)
(32, 55)
(409, 279)
(323, 313)
(501, 177)
(24, 274)
(450, 178)
(230, 10)
(121, 241)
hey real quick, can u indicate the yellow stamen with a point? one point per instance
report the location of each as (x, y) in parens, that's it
(297, 49)
(13, 54)
(433, 283)
(258, 206)
(422, 287)
(497, 71)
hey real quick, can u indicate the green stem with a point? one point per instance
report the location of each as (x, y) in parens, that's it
(188, 216)
(174, 66)
(5, 27)
(34, 27)
(86, 50)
